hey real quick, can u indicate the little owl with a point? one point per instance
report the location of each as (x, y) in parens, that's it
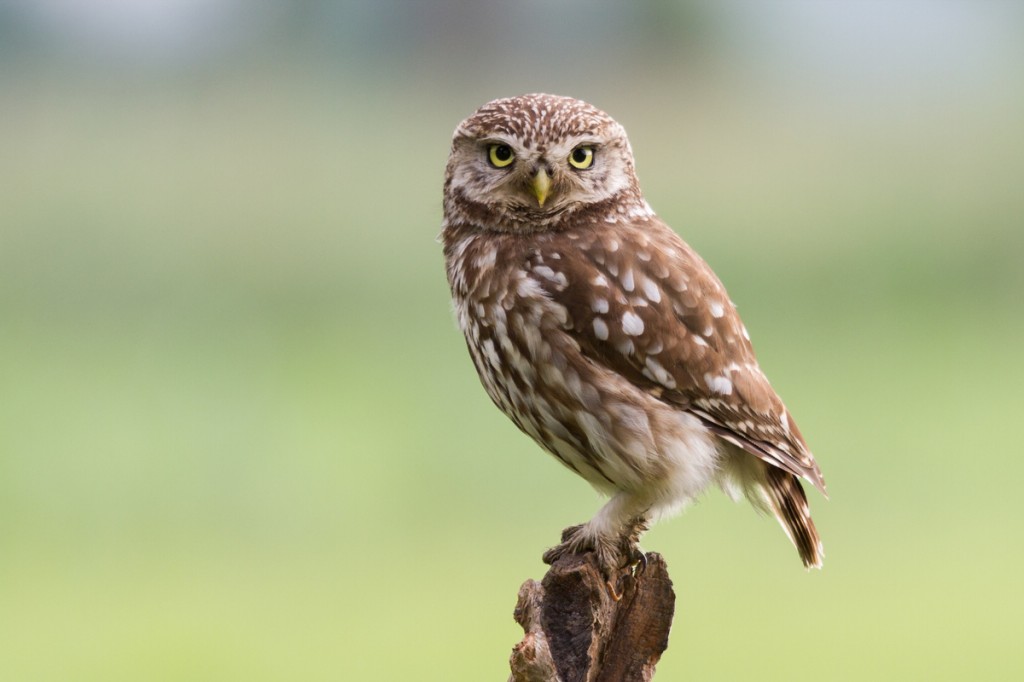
(603, 335)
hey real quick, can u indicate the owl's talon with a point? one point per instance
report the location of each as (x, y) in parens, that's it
(639, 565)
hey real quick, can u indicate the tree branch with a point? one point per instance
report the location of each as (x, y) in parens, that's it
(576, 632)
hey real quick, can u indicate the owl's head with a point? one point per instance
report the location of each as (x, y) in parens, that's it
(531, 162)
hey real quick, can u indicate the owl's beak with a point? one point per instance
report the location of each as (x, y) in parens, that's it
(541, 186)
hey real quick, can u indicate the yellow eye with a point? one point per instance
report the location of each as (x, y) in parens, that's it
(500, 155)
(582, 157)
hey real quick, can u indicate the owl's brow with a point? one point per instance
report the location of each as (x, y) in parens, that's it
(496, 139)
(586, 140)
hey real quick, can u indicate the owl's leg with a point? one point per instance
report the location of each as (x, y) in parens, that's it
(613, 535)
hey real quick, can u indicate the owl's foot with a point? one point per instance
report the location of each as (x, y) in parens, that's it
(580, 540)
(629, 545)
(634, 559)
(616, 557)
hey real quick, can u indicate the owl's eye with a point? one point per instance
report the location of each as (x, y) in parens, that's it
(500, 155)
(582, 157)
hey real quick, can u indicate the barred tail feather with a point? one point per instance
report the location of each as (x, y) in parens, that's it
(789, 504)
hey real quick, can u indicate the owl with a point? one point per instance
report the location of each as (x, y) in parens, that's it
(603, 336)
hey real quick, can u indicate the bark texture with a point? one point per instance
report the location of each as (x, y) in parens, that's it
(575, 631)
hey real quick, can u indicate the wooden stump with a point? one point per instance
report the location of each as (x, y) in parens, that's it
(576, 632)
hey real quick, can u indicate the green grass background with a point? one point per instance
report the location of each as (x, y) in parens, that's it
(241, 438)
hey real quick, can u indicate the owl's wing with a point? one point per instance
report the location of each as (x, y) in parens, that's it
(644, 304)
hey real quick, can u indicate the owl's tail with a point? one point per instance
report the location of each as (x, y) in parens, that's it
(789, 504)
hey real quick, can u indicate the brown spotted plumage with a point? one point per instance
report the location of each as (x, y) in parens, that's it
(602, 334)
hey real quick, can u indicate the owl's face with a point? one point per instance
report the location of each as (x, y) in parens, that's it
(524, 163)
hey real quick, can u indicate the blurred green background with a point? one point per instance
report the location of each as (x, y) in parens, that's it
(241, 438)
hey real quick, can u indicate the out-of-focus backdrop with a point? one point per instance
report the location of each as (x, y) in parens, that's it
(241, 438)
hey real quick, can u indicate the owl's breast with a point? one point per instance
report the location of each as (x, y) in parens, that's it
(532, 366)
(510, 323)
